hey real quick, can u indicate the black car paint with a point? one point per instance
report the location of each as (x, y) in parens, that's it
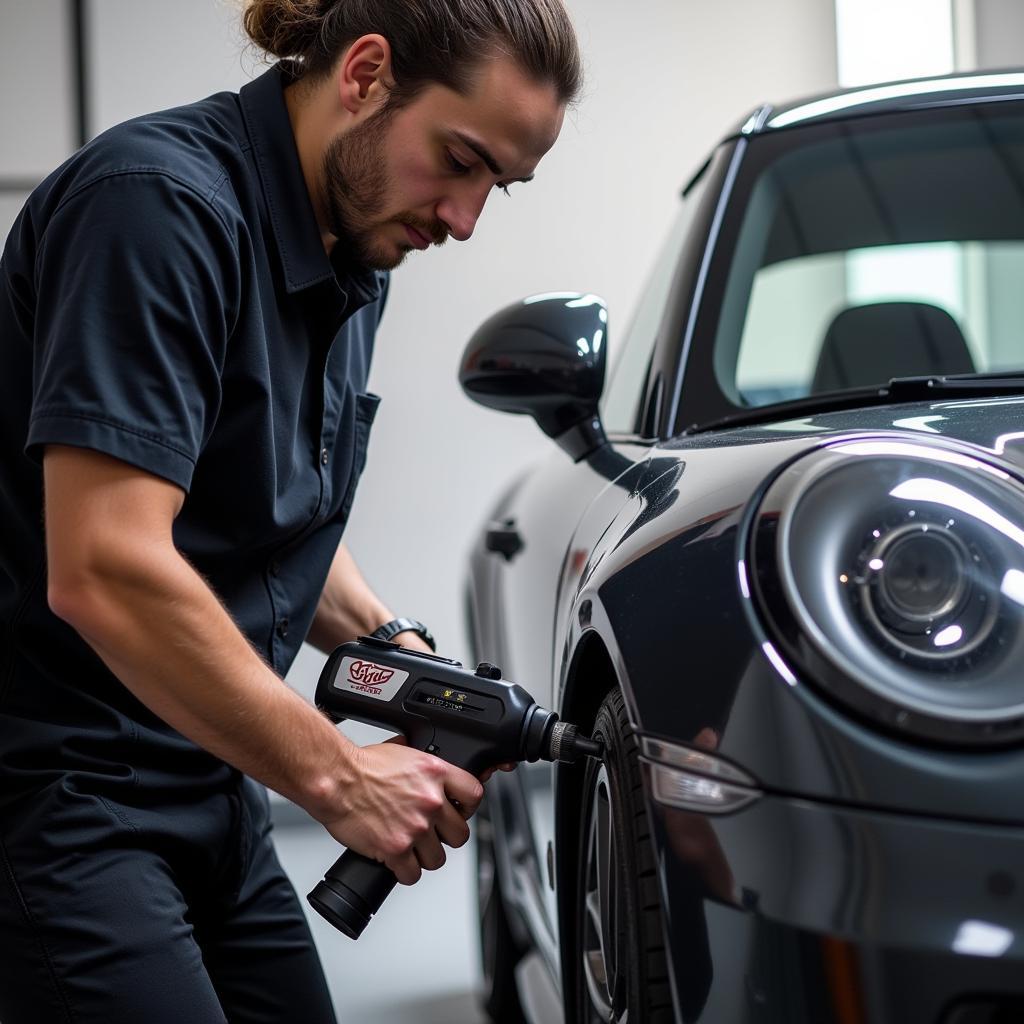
(849, 876)
(837, 914)
(687, 555)
(668, 527)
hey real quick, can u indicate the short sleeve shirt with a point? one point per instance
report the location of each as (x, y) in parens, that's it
(166, 299)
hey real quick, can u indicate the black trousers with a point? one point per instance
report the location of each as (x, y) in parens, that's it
(146, 912)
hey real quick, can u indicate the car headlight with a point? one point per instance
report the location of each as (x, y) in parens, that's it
(891, 573)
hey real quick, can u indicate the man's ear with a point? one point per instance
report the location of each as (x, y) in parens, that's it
(363, 75)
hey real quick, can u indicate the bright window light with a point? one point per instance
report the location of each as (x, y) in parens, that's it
(884, 40)
(979, 938)
(932, 272)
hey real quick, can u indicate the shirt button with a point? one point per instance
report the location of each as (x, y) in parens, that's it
(324, 456)
(282, 627)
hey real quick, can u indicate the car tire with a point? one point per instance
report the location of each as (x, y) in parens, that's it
(621, 972)
(499, 952)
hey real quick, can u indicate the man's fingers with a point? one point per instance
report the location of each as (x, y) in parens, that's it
(452, 827)
(406, 867)
(465, 790)
(508, 766)
(429, 852)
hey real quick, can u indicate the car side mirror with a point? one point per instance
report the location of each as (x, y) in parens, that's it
(544, 356)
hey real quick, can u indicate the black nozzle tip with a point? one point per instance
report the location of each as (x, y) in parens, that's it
(588, 747)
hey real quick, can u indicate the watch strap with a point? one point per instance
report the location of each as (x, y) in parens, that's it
(395, 626)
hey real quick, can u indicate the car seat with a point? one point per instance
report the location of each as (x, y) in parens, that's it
(870, 344)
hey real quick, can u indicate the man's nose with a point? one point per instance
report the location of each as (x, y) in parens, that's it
(461, 212)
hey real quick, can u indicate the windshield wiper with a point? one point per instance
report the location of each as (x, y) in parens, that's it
(899, 389)
(1006, 383)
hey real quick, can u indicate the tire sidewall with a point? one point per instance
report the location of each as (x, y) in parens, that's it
(612, 727)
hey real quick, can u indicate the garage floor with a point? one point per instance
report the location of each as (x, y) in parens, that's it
(417, 961)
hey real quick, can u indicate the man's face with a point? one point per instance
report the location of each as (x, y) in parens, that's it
(403, 179)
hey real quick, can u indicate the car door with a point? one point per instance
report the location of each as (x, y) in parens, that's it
(543, 513)
(531, 539)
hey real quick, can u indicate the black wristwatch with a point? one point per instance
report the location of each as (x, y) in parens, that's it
(396, 626)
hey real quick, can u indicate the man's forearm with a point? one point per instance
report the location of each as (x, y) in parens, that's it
(165, 635)
(114, 573)
(347, 608)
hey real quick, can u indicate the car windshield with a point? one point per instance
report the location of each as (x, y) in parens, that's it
(874, 248)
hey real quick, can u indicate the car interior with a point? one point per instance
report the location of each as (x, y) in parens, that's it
(872, 343)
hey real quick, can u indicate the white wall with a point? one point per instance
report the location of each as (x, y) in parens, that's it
(997, 34)
(36, 109)
(990, 35)
(664, 79)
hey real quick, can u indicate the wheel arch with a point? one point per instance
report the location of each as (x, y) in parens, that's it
(589, 679)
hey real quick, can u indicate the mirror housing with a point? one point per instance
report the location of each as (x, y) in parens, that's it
(544, 356)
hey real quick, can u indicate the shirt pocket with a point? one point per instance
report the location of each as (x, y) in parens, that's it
(366, 411)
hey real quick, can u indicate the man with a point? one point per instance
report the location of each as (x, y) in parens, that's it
(186, 323)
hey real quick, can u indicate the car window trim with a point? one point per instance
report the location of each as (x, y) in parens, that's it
(666, 364)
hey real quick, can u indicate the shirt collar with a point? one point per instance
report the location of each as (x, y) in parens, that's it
(303, 257)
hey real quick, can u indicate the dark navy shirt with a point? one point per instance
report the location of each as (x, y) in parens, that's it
(165, 298)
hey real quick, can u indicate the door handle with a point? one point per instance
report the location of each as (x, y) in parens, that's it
(504, 539)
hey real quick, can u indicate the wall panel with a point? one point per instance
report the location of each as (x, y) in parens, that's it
(36, 108)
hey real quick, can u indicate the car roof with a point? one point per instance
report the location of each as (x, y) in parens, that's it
(888, 97)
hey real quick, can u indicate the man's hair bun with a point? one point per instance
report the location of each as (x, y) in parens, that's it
(283, 28)
(431, 41)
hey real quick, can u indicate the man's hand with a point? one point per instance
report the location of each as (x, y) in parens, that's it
(402, 807)
(416, 643)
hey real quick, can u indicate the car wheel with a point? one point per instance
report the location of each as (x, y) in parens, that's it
(620, 963)
(499, 953)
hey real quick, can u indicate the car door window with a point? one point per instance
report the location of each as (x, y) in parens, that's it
(620, 405)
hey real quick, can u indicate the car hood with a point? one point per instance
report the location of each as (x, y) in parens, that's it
(995, 426)
(661, 586)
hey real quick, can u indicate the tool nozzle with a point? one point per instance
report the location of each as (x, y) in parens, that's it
(589, 747)
(568, 744)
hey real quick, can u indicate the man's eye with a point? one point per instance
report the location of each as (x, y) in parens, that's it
(456, 166)
(504, 188)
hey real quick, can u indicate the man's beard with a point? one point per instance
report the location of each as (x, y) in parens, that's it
(356, 187)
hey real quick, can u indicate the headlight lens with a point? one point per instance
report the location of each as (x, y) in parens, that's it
(927, 591)
(892, 574)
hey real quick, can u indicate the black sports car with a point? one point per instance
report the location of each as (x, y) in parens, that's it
(781, 575)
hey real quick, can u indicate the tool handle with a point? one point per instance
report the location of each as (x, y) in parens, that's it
(352, 891)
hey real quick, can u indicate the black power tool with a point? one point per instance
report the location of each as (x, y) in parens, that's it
(474, 720)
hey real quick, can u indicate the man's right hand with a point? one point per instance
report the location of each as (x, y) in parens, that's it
(402, 806)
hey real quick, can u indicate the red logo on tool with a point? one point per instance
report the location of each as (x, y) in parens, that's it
(368, 674)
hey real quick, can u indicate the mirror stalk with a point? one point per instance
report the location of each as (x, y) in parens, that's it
(582, 439)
